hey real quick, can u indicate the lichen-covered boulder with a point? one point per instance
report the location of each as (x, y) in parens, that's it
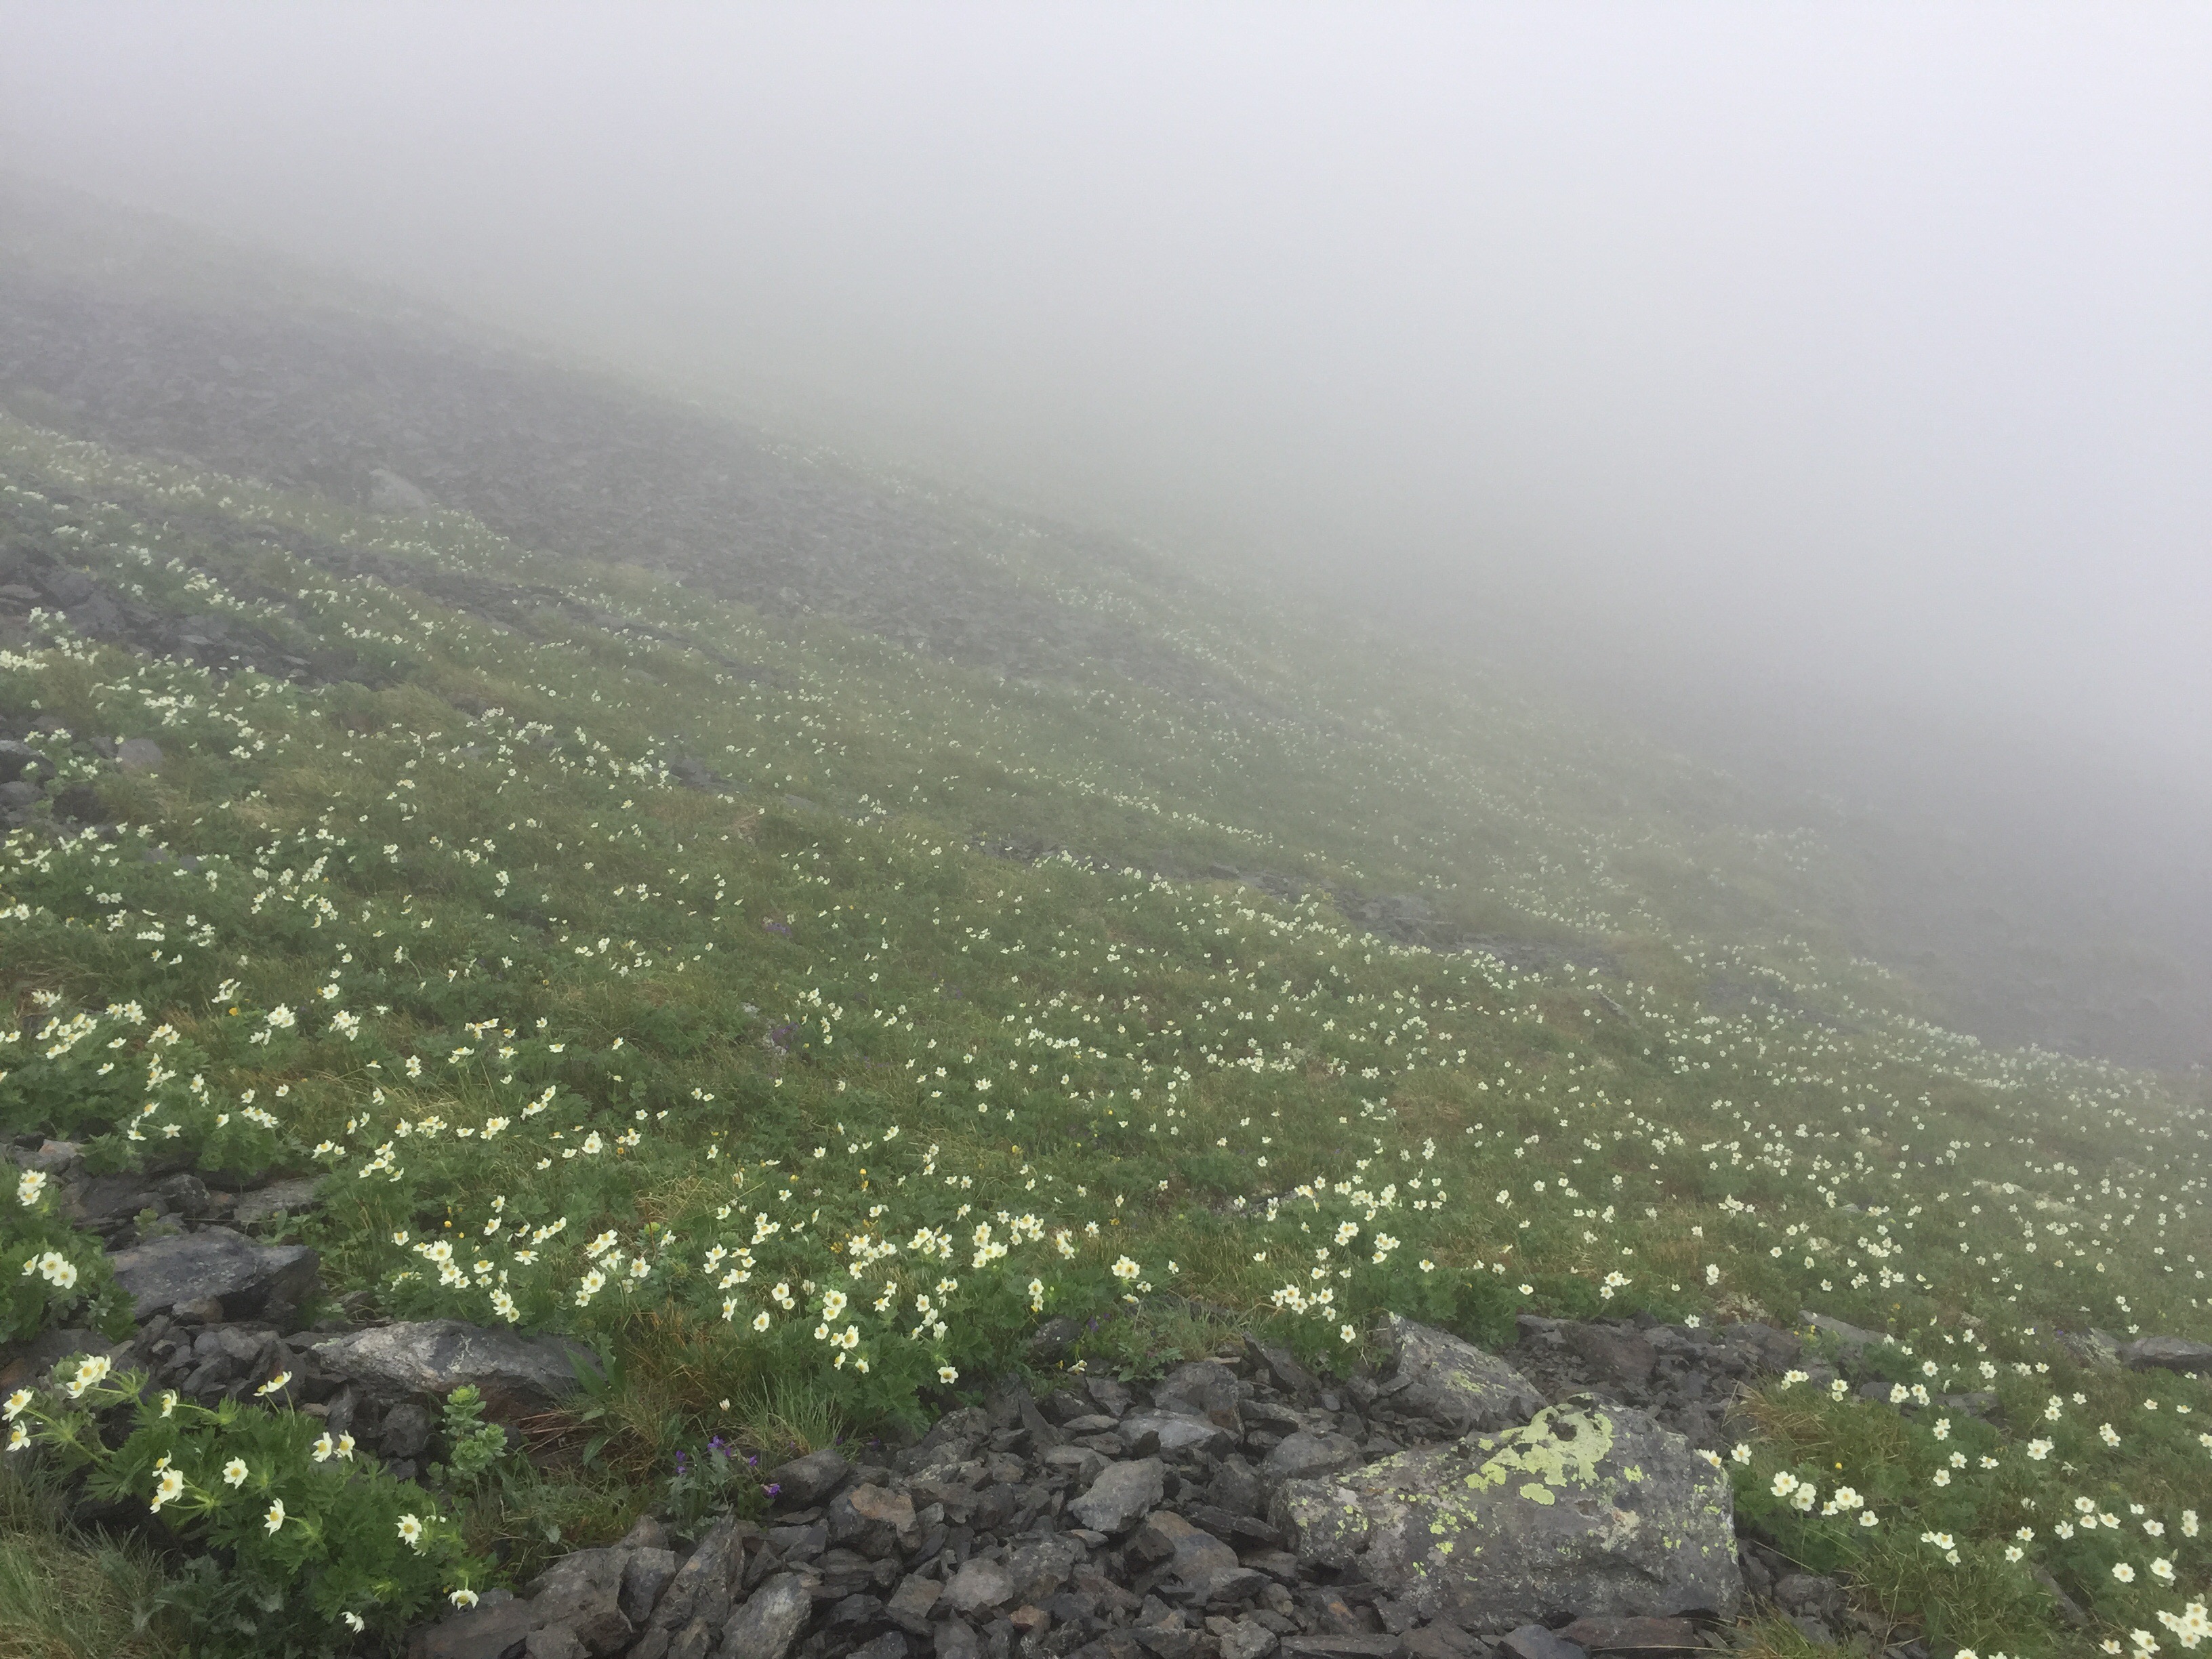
(1589, 1509)
(1453, 1384)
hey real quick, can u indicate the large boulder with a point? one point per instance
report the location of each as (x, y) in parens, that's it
(251, 1281)
(516, 1375)
(1589, 1509)
(1453, 1384)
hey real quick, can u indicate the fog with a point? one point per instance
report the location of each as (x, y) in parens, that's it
(1815, 384)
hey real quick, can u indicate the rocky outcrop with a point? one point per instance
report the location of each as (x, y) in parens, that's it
(1588, 1509)
(1238, 1508)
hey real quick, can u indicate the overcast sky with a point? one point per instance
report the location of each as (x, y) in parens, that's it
(1857, 347)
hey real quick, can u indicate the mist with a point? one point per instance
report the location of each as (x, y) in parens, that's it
(1828, 389)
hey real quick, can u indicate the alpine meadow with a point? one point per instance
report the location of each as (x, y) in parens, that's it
(573, 967)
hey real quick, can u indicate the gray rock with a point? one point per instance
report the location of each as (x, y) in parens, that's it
(1614, 1353)
(1454, 1384)
(1289, 1376)
(889, 1645)
(490, 1630)
(1851, 1340)
(406, 1431)
(769, 1622)
(645, 1575)
(1246, 1639)
(516, 1375)
(1200, 1388)
(1204, 1568)
(874, 1521)
(912, 1603)
(805, 1481)
(1591, 1508)
(582, 1591)
(1237, 1487)
(247, 1278)
(1122, 1495)
(1305, 1454)
(979, 1584)
(1536, 1642)
(955, 1640)
(2170, 1353)
(554, 1641)
(139, 755)
(1762, 1347)
(1038, 1569)
(1330, 1644)
(1631, 1636)
(293, 1197)
(2100, 1349)
(1172, 1433)
(704, 1585)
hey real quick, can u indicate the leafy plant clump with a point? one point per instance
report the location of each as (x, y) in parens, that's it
(293, 1545)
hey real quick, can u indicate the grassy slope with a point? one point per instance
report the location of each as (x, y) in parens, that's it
(767, 1020)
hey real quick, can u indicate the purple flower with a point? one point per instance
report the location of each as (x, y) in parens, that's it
(773, 1489)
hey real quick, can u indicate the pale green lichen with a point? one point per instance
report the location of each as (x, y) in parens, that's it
(1556, 1459)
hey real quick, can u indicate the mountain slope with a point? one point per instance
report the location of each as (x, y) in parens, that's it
(630, 950)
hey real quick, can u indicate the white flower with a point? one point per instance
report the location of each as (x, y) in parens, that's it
(233, 1473)
(275, 1517)
(410, 1531)
(91, 1371)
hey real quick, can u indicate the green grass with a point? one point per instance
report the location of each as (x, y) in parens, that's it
(65, 1595)
(454, 935)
